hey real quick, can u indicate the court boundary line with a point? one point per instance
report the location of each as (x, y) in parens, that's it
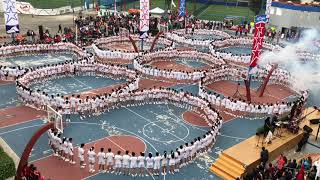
(194, 124)
(88, 123)
(7, 82)
(122, 150)
(148, 120)
(181, 120)
(184, 121)
(20, 123)
(233, 137)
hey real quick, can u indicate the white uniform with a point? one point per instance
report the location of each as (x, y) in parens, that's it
(149, 162)
(109, 157)
(141, 161)
(125, 161)
(91, 157)
(81, 154)
(101, 158)
(70, 149)
(117, 159)
(133, 162)
(157, 160)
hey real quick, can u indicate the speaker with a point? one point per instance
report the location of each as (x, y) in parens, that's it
(314, 121)
(307, 129)
(41, 36)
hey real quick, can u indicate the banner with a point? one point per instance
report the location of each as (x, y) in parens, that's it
(144, 16)
(182, 8)
(268, 7)
(260, 23)
(11, 16)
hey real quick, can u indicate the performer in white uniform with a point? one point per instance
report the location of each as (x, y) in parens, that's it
(118, 159)
(133, 164)
(101, 159)
(91, 159)
(110, 160)
(81, 156)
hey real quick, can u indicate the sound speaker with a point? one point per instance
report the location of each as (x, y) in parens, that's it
(307, 129)
(41, 36)
(314, 121)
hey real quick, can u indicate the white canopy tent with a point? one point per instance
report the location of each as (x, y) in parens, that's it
(157, 10)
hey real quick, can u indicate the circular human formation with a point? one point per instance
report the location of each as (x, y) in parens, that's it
(199, 37)
(12, 72)
(239, 104)
(121, 97)
(143, 64)
(121, 48)
(238, 49)
(148, 64)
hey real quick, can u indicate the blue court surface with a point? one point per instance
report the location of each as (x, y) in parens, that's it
(243, 50)
(74, 84)
(160, 126)
(192, 63)
(202, 37)
(8, 95)
(36, 60)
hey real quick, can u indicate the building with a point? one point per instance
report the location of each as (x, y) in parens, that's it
(287, 16)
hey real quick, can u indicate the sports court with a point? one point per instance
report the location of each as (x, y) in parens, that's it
(188, 83)
(154, 127)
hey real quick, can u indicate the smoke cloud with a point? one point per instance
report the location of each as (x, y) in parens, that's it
(306, 73)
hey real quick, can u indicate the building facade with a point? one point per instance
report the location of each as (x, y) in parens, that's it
(287, 16)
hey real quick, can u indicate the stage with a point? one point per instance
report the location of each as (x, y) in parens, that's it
(245, 156)
(312, 115)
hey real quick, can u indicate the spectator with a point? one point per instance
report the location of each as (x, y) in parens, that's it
(264, 156)
(280, 162)
(313, 173)
(300, 175)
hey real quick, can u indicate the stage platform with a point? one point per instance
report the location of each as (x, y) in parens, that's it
(245, 156)
(313, 114)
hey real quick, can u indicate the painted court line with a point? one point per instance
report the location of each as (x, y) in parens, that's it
(19, 123)
(27, 127)
(206, 130)
(88, 123)
(180, 121)
(233, 137)
(121, 149)
(81, 82)
(154, 124)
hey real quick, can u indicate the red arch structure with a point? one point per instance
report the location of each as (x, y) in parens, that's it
(25, 155)
(155, 40)
(266, 80)
(134, 44)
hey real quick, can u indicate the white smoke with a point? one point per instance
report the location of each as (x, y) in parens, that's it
(306, 73)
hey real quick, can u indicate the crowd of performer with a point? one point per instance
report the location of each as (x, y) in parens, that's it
(180, 37)
(11, 73)
(132, 163)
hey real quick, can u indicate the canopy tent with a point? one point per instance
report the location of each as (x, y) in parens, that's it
(157, 10)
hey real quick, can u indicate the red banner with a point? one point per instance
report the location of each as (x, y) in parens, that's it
(258, 40)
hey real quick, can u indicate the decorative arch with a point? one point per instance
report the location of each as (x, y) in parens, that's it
(266, 80)
(134, 44)
(155, 40)
(25, 155)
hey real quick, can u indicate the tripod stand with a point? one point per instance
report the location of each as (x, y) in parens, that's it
(237, 93)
